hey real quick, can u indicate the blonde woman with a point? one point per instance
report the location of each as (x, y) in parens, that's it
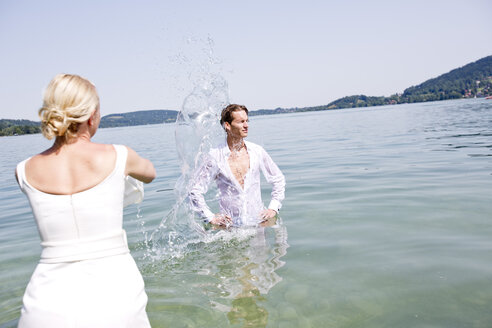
(86, 276)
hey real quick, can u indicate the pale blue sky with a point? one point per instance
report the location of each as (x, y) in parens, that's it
(147, 54)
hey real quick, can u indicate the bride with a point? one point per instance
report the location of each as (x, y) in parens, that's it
(86, 276)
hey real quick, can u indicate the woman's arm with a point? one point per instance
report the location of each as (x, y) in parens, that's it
(138, 167)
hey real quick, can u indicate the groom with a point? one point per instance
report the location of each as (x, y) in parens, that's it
(235, 166)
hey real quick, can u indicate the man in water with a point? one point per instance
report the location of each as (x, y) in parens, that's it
(235, 166)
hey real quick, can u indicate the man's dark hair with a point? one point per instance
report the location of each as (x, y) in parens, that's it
(226, 115)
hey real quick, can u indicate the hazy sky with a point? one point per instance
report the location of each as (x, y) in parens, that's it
(148, 54)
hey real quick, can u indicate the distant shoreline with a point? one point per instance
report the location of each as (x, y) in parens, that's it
(252, 113)
(473, 80)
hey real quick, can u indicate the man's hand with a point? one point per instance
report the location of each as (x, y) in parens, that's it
(221, 220)
(267, 214)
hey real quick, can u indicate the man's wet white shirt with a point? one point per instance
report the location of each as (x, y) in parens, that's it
(243, 205)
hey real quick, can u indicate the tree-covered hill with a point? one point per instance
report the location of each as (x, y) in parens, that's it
(472, 80)
(18, 127)
(143, 117)
(156, 116)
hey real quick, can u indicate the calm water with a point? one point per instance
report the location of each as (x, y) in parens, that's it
(386, 223)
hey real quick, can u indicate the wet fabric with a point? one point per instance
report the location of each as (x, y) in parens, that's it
(243, 205)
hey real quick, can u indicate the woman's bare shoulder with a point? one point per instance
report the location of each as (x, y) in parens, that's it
(103, 155)
(101, 147)
(90, 152)
(37, 159)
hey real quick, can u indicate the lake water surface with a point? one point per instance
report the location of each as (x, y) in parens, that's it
(387, 222)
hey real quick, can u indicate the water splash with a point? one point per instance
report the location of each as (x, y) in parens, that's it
(228, 268)
(197, 129)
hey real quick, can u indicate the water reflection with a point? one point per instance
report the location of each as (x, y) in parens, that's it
(256, 276)
(228, 274)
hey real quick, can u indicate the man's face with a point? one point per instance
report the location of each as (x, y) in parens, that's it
(239, 126)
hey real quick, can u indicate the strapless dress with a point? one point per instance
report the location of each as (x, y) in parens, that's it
(86, 276)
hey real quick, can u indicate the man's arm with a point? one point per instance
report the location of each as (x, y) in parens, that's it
(201, 180)
(275, 177)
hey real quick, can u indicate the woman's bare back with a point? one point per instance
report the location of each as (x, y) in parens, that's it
(71, 168)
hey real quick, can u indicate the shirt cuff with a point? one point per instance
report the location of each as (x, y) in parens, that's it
(208, 215)
(274, 205)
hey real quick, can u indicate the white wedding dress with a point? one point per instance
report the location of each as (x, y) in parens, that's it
(86, 276)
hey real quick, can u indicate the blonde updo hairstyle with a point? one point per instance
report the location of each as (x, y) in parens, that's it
(68, 101)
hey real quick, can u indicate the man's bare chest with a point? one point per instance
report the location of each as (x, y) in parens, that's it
(239, 165)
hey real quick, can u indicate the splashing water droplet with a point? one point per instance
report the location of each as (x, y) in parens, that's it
(197, 129)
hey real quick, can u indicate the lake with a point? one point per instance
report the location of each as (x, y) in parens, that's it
(386, 223)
